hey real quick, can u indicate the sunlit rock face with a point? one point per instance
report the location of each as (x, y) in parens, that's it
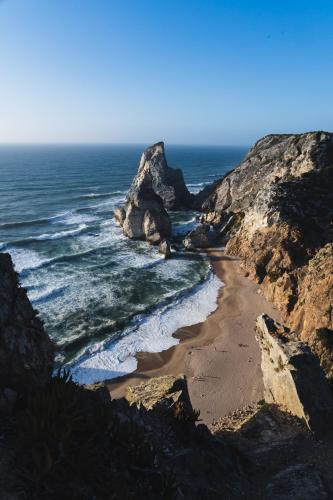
(293, 377)
(280, 199)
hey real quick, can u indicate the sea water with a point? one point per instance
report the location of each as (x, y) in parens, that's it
(101, 296)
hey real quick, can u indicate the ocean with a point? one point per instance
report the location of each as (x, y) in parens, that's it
(101, 296)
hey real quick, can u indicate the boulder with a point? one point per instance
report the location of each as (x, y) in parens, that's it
(167, 389)
(198, 238)
(119, 215)
(165, 249)
(26, 351)
(292, 376)
(166, 182)
(145, 217)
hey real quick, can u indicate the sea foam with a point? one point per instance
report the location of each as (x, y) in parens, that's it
(150, 333)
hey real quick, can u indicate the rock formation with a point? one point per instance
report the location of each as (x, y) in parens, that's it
(26, 352)
(198, 238)
(155, 188)
(166, 182)
(275, 210)
(144, 216)
(172, 390)
(293, 377)
(164, 248)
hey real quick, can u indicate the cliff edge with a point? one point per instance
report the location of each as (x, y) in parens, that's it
(275, 211)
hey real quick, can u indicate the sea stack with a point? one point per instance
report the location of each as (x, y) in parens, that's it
(166, 182)
(155, 189)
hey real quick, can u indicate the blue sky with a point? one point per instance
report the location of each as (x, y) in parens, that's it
(185, 71)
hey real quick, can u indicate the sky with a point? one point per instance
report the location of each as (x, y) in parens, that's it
(183, 71)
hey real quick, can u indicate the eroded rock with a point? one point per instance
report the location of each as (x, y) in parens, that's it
(26, 352)
(144, 217)
(167, 388)
(166, 182)
(292, 375)
(198, 238)
(279, 202)
(164, 248)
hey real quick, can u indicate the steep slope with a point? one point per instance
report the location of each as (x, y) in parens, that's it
(275, 210)
(26, 352)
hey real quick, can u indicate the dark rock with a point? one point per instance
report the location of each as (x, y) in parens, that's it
(165, 249)
(26, 352)
(297, 482)
(198, 238)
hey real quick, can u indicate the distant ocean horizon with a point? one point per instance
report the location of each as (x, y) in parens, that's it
(102, 297)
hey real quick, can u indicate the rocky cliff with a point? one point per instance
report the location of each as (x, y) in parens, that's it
(275, 211)
(26, 352)
(155, 189)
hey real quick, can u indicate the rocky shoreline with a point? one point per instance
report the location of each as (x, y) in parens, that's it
(274, 215)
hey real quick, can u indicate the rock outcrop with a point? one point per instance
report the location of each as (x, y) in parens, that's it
(155, 189)
(26, 352)
(275, 211)
(164, 248)
(144, 216)
(166, 182)
(293, 377)
(168, 388)
(198, 238)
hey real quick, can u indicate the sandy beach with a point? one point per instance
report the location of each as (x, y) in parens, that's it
(220, 357)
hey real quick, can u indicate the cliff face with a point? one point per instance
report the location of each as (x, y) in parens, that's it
(26, 352)
(276, 209)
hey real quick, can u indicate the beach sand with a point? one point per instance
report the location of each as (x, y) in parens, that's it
(220, 357)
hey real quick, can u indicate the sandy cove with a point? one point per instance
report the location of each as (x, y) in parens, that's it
(220, 357)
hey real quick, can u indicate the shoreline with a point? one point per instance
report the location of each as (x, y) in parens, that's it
(220, 356)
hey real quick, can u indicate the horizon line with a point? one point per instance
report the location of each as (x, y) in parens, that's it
(104, 143)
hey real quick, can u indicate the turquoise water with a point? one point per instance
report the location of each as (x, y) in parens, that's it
(98, 292)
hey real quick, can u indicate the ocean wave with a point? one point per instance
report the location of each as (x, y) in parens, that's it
(13, 225)
(197, 184)
(48, 293)
(100, 195)
(60, 234)
(152, 333)
(74, 218)
(25, 259)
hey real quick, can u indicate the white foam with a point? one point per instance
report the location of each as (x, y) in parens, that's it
(61, 234)
(25, 259)
(197, 187)
(78, 219)
(152, 333)
(101, 195)
(183, 227)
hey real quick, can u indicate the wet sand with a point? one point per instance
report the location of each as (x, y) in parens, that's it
(220, 356)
